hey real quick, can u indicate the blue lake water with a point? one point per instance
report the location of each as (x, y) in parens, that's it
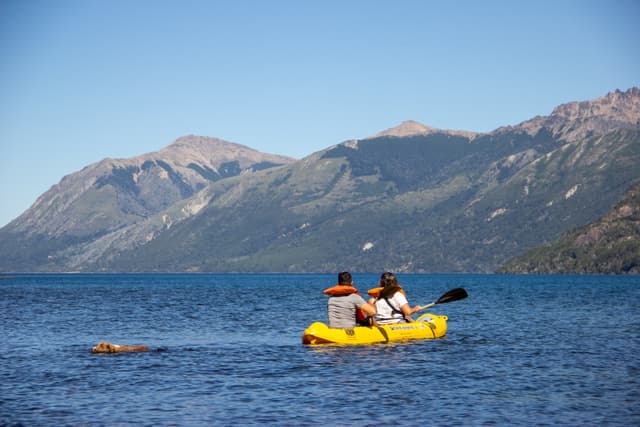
(521, 350)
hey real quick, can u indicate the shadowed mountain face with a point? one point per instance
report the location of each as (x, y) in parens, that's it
(610, 245)
(413, 199)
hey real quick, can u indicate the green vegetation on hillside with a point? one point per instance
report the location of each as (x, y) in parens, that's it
(433, 202)
(361, 208)
(608, 246)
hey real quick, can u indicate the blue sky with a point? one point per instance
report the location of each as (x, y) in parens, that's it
(85, 80)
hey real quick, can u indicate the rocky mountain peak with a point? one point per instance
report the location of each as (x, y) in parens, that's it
(115, 193)
(407, 128)
(214, 151)
(615, 106)
(576, 120)
(414, 128)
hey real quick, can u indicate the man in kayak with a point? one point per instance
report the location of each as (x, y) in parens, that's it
(346, 308)
(391, 302)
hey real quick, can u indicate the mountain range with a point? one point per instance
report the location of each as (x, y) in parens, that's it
(408, 199)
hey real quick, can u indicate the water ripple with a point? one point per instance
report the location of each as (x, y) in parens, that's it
(526, 351)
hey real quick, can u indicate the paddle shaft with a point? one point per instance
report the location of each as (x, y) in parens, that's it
(422, 307)
(450, 296)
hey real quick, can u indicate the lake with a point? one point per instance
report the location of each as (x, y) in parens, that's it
(520, 350)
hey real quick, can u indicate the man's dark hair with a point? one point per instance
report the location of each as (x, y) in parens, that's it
(344, 278)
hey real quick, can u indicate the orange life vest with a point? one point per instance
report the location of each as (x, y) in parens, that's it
(341, 290)
(375, 292)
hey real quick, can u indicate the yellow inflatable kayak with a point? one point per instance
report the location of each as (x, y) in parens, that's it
(427, 326)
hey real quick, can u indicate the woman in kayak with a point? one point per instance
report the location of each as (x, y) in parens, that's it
(391, 304)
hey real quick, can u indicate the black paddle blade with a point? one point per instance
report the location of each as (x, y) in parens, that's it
(453, 295)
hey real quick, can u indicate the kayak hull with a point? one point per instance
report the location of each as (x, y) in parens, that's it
(427, 326)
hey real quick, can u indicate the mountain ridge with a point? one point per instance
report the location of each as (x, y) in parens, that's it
(579, 119)
(196, 159)
(114, 194)
(430, 200)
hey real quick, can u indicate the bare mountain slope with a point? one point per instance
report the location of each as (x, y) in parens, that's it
(117, 193)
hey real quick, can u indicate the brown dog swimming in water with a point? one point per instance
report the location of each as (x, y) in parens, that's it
(105, 347)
